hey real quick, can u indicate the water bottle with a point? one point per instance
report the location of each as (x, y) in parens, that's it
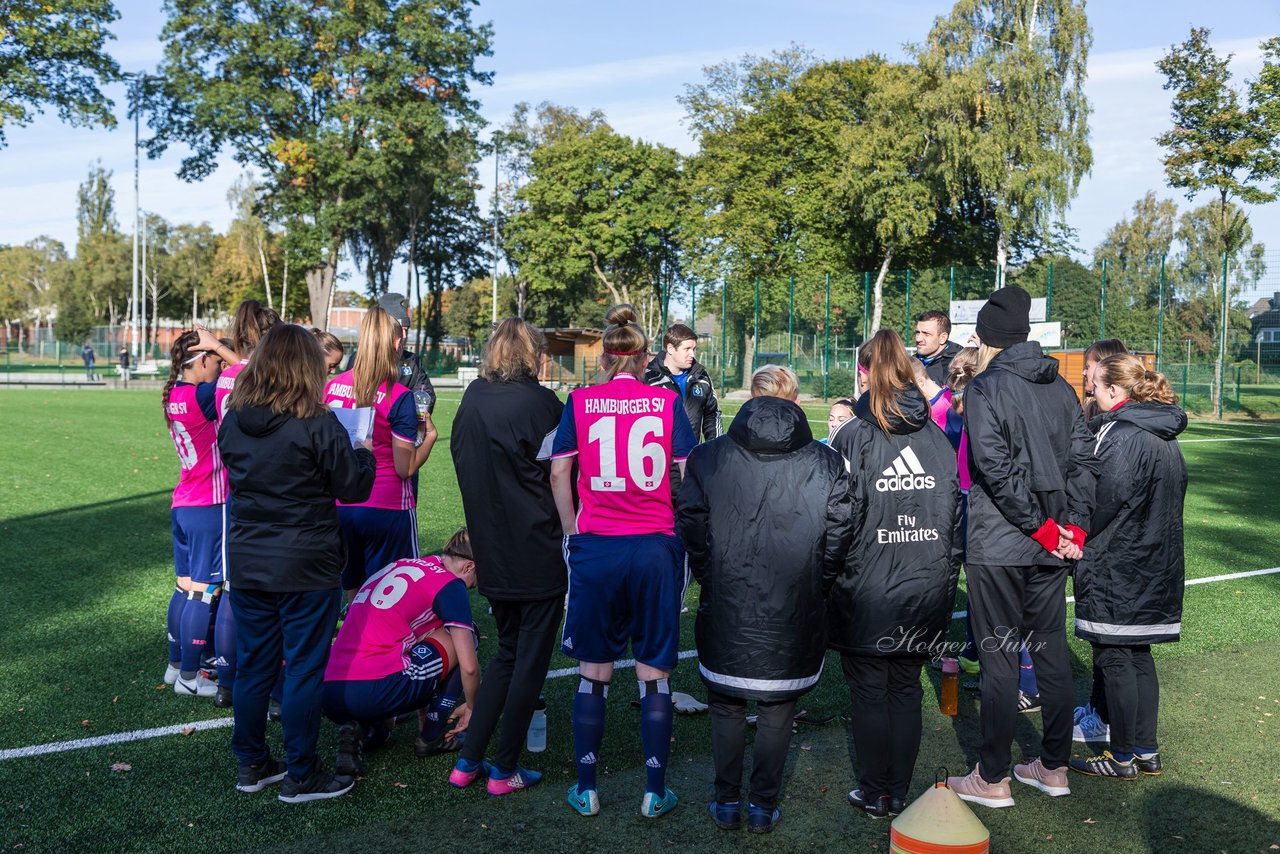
(537, 739)
(949, 703)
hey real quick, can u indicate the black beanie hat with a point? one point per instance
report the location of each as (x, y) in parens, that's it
(1004, 320)
(396, 306)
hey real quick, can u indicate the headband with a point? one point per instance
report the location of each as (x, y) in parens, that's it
(624, 352)
(862, 370)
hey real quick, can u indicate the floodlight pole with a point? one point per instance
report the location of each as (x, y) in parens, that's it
(494, 313)
(133, 308)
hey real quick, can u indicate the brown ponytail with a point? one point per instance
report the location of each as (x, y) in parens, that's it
(626, 347)
(1129, 373)
(179, 353)
(251, 322)
(889, 373)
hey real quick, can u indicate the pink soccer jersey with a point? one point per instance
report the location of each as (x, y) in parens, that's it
(395, 418)
(226, 382)
(939, 406)
(202, 482)
(395, 609)
(626, 435)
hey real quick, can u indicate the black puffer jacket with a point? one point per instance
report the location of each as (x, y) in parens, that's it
(764, 513)
(893, 595)
(503, 471)
(939, 366)
(285, 474)
(1030, 458)
(1129, 583)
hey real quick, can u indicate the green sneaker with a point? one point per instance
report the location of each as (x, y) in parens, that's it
(970, 665)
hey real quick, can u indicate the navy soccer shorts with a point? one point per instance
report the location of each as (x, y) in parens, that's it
(624, 588)
(375, 537)
(371, 700)
(197, 543)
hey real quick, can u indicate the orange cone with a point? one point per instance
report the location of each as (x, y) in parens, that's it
(938, 822)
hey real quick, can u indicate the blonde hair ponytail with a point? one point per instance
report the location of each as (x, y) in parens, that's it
(626, 347)
(1141, 385)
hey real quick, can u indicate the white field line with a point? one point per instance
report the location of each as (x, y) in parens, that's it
(1232, 439)
(223, 723)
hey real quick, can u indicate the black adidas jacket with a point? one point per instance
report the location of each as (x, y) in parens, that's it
(764, 514)
(506, 489)
(1030, 458)
(1128, 585)
(285, 474)
(699, 399)
(939, 366)
(894, 592)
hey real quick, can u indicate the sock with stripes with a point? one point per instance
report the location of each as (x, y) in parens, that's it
(173, 623)
(442, 705)
(656, 713)
(195, 633)
(588, 728)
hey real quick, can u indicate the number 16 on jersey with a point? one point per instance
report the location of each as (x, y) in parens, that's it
(646, 460)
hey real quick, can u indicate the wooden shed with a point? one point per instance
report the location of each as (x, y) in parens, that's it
(1071, 366)
(573, 355)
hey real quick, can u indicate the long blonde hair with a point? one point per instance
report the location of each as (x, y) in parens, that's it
(626, 346)
(985, 354)
(513, 351)
(889, 373)
(377, 356)
(286, 375)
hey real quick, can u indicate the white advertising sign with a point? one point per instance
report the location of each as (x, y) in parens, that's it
(966, 310)
(1048, 334)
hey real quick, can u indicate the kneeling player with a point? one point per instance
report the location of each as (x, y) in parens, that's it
(407, 644)
(626, 567)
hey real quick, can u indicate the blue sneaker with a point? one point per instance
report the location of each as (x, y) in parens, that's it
(762, 819)
(1090, 728)
(655, 805)
(521, 778)
(585, 802)
(726, 816)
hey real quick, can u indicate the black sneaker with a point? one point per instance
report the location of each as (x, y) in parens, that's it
(255, 778)
(350, 756)
(273, 710)
(318, 786)
(897, 805)
(1149, 764)
(222, 699)
(1028, 703)
(444, 744)
(876, 807)
(1106, 765)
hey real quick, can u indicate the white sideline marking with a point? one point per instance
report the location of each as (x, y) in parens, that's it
(1233, 439)
(223, 723)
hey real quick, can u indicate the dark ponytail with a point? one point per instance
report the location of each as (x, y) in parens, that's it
(179, 353)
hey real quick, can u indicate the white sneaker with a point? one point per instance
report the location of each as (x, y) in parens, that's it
(171, 673)
(201, 686)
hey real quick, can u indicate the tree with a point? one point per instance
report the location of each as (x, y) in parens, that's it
(101, 275)
(1134, 250)
(1011, 109)
(250, 229)
(1220, 145)
(601, 216)
(326, 99)
(51, 53)
(1216, 143)
(31, 276)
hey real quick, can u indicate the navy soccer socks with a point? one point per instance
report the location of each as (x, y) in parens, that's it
(588, 728)
(656, 714)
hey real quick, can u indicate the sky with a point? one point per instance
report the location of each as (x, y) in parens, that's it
(632, 60)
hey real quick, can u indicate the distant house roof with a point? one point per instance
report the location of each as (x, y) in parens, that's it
(1268, 317)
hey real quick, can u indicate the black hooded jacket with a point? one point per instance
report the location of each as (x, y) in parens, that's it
(1030, 458)
(285, 474)
(1129, 583)
(764, 514)
(699, 399)
(894, 592)
(940, 365)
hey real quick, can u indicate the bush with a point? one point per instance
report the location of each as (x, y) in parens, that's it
(841, 382)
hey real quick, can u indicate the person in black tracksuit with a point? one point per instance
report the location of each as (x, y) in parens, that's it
(1129, 584)
(764, 514)
(501, 451)
(1033, 477)
(891, 600)
(677, 369)
(287, 460)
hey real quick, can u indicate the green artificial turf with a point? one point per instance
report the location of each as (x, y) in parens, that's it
(85, 564)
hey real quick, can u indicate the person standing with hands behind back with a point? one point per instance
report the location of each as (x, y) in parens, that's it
(626, 567)
(287, 459)
(1033, 478)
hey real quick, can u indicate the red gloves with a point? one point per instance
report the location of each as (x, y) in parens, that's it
(1077, 535)
(1047, 536)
